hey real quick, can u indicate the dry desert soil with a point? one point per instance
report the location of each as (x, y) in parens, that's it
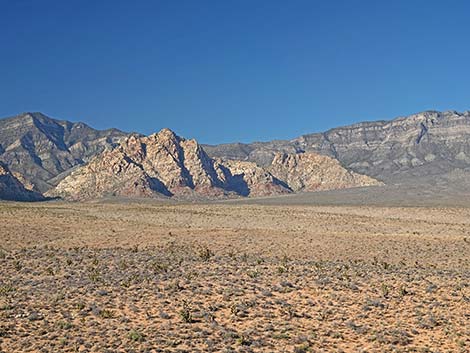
(230, 277)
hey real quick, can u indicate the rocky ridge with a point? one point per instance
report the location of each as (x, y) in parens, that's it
(164, 164)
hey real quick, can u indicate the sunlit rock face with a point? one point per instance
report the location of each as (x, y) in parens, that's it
(314, 172)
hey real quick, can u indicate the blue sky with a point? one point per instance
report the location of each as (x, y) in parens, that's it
(223, 71)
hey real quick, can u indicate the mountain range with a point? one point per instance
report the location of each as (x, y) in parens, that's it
(57, 158)
(426, 144)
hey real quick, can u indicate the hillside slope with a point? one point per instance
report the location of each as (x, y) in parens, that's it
(41, 148)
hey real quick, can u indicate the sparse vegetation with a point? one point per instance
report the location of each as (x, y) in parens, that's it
(281, 282)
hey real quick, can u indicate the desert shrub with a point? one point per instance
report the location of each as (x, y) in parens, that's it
(106, 314)
(304, 348)
(243, 340)
(185, 312)
(94, 275)
(64, 325)
(6, 290)
(385, 290)
(205, 253)
(135, 336)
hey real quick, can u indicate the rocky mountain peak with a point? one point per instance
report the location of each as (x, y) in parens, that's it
(166, 134)
(158, 164)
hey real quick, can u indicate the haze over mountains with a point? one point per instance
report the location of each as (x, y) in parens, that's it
(75, 161)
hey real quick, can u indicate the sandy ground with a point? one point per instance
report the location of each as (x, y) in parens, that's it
(156, 277)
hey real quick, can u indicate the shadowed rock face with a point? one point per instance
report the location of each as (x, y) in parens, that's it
(406, 148)
(41, 148)
(11, 188)
(249, 179)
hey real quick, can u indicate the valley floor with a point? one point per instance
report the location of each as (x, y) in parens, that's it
(168, 277)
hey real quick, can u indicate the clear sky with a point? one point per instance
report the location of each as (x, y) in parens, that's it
(223, 71)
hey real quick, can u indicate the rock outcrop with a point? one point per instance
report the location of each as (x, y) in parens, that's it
(12, 189)
(161, 164)
(314, 172)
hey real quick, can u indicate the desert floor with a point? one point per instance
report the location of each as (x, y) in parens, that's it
(166, 277)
